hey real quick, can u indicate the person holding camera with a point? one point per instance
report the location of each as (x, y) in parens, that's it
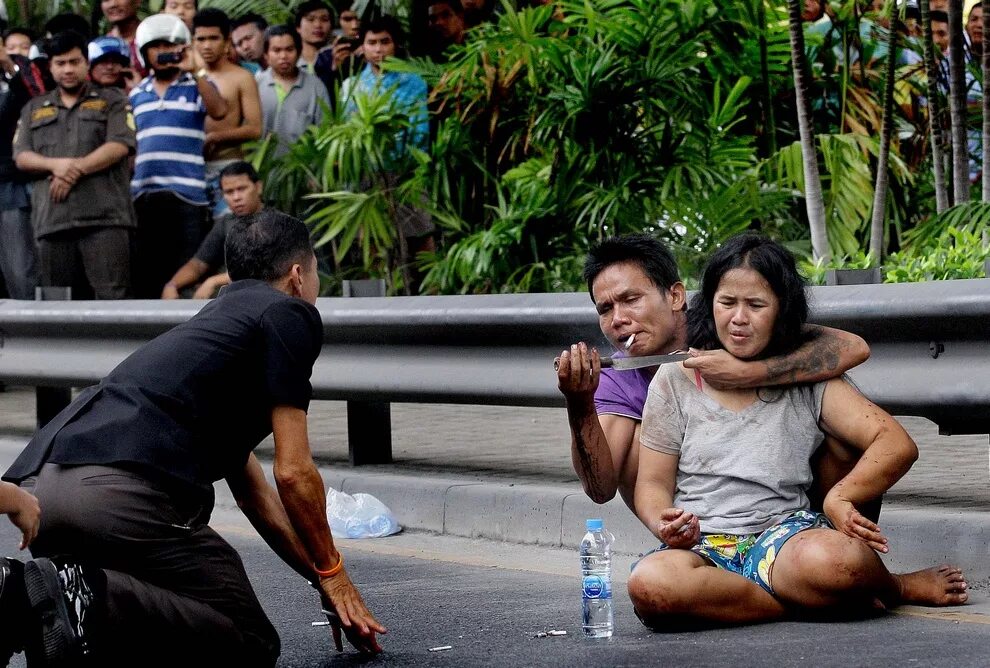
(169, 184)
(345, 56)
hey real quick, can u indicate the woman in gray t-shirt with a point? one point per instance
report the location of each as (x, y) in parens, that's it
(724, 474)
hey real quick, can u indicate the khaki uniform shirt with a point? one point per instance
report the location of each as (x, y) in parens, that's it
(51, 129)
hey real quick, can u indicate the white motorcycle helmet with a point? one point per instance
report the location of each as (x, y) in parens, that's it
(160, 28)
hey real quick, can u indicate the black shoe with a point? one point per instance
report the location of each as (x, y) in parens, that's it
(14, 609)
(59, 598)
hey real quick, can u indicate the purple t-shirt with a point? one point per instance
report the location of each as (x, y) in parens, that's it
(623, 392)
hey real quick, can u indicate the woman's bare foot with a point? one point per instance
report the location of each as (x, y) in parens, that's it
(938, 586)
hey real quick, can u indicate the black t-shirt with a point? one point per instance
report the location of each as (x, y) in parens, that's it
(193, 403)
(211, 249)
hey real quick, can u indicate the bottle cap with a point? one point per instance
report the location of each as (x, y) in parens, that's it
(594, 525)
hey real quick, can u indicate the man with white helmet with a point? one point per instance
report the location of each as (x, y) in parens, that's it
(169, 184)
(109, 63)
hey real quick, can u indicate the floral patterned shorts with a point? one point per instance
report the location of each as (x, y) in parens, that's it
(752, 555)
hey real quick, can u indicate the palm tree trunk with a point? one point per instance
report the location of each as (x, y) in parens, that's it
(25, 7)
(934, 108)
(813, 199)
(883, 158)
(769, 139)
(985, 57)
(957, 105)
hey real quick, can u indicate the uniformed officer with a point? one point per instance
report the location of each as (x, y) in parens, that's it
(77, 138)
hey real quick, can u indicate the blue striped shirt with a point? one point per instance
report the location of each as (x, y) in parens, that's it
(170, 134)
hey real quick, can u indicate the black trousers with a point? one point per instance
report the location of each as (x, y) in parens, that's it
(94, 261)
(169, 231)
(168, 588)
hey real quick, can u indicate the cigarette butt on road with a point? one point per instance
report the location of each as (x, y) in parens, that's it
(441, 648)
(320, 624)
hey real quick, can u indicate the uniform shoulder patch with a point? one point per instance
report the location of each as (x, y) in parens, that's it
(42, 113)
(95, 104)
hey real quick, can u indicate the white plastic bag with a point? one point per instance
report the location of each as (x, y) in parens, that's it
(359, 516)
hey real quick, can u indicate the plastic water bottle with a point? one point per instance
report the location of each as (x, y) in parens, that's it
(596, 580)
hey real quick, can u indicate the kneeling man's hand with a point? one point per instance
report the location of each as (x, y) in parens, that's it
(679, 529)
(349, 614)
(845, 518)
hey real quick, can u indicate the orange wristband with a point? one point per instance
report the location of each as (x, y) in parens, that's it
(330, 572)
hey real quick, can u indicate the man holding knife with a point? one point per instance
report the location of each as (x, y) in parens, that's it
(642, 308)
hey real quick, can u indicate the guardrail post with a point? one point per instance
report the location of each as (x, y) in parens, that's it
(49, 401)
(369, 423)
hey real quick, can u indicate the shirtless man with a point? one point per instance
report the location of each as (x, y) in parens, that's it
(211, 35)
(641, 305)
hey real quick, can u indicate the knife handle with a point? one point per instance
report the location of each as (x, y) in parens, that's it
(606, 363)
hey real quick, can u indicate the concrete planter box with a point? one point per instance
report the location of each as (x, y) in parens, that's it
(853, 276)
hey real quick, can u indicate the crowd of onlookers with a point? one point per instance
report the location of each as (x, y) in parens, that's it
(122, 155)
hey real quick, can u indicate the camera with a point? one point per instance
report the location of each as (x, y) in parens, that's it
(170, 58)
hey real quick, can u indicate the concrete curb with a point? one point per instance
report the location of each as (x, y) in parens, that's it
(553, 515)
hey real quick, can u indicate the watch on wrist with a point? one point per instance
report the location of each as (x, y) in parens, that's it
(200, 73)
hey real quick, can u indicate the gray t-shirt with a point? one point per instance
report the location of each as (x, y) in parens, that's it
(738, 472)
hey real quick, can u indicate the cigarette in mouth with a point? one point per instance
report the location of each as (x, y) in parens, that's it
(629, 341)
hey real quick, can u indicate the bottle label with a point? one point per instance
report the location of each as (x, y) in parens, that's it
(596, 586)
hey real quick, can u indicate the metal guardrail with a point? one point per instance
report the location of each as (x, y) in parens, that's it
(930, 345)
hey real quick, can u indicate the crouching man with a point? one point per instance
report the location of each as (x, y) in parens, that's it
(127, 568)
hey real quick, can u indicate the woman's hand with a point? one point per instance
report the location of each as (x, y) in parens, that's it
(848, 520)
(678, 529)
(23, 511)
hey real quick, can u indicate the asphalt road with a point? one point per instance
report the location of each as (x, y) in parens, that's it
(488, 601)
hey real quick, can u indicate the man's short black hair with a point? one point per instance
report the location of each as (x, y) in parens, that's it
(240, 168)
(18, 30)
(285, 29)
(257, 19)
(938, 16)
(212, 17)
(265, 245)
(64, 42)
(311, 6)
(68, 21)
(649, 253)
(387, 24)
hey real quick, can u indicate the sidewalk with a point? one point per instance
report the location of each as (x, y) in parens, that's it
(505, 474)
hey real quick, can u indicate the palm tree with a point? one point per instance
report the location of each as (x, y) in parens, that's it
(880, 191)
(957, 104)
(934, 108)
(814, 203)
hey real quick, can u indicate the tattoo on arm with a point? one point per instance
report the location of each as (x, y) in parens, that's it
(817, 358)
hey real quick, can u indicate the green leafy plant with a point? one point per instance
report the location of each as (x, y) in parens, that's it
(957, 253)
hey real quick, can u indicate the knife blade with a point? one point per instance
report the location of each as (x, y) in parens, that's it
(629, 363)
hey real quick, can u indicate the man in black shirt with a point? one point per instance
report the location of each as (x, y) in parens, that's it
(242, 190)
(129, 571)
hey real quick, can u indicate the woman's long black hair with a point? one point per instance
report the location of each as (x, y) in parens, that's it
(776, 265)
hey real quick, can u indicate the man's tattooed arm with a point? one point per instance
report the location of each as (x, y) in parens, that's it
(826, 353)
